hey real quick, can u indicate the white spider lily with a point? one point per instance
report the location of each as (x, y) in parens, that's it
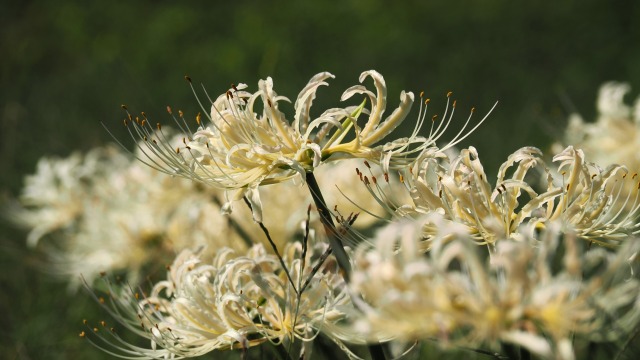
(240, 149)
(230, 302)
(539, 292)
(460, 191)
(593, 202)
(590, 201)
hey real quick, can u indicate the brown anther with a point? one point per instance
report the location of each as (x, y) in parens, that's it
(269, 103)
(639, 185)
(568, 186)
(634, 176)
(440, 193)
(473, 109)
(103, 323)
(169, 110)
(143, 114)
(360, 174)
(198, 118)
(366, 163)
(186, 77)
(137, 296)
(373, 178)
(454, 103)
(101, 300)
(177, 150)
(184, 140)
(102, 273)
(123, 106)
(113, 330)
(125, 122)
(229, 95)
(592, 176)
(180, 113)
(137, 120)
(625, 176)
(449, 94)
(427, 101)
(504, 188)
(154, 141)
(143, 122)
(168, 267)
(82, 334)
(84, 321)
(95, 329)
(481, 177)
(366, 180)
(401, 178)
(188, 147)
(357, 171)
(386, 177)
(130, 117)
(434, 117)
(563, 173)
(159, 126)
(421, 94)
(233, 86)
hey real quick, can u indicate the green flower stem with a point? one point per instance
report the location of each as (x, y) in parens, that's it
(376, 350)
(330, 228)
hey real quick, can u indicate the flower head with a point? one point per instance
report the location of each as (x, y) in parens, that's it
(248, 141)
(105, 211)
(588, 200)
(231, 301)
(538, 292)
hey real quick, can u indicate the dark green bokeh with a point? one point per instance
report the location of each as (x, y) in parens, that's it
(67, 66)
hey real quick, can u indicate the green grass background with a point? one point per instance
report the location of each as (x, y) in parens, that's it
(67, 66)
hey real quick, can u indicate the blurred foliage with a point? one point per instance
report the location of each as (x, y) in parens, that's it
(67, 66)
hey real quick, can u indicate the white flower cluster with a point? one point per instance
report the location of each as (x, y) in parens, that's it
(541, 292)
(233, 301)
(473, 261)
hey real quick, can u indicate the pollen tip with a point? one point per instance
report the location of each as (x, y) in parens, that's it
(427, 101)
(449, 94)
(421, 94)
(169, 110)
(186, 77)
(124, 107)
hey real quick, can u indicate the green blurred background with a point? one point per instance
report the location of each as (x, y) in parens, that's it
(67, 66)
